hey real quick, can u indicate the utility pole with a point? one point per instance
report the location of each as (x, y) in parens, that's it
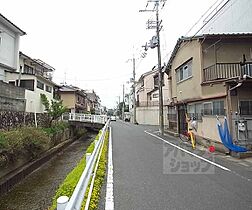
(134, 90)
(123, 104)
(156, 43)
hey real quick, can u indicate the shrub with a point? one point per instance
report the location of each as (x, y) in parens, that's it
(24, 140)
(56, 128)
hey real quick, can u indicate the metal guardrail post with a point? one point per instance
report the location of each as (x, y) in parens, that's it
(62, 202)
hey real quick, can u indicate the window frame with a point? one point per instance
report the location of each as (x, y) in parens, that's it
(250, 104)
(48, 90)
(180, 71)
(42, 85)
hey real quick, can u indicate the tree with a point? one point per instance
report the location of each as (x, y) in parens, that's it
(54, 110)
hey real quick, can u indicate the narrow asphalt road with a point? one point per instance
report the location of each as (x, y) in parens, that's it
(152, 174)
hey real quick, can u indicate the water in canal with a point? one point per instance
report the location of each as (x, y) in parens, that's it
(36, 191)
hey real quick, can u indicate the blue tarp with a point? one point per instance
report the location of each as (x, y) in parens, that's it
(226, 138)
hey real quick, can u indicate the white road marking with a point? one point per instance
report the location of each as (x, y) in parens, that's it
(188, 152)
(109, 203)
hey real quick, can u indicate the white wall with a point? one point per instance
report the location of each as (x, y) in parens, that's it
(236, 16)
(9, 47)
(150, 115)
(33, 99)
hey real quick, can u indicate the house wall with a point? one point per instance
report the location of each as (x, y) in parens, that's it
(9, 47)
(226, 52)
(33, 98)
(180, 90)
(207, 128)
(214, 90)
(149, 115)
(68, 99)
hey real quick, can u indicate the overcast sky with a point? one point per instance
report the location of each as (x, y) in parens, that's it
(89, 42)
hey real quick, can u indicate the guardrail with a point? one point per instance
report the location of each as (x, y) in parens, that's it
(102, 119)
(74, 203)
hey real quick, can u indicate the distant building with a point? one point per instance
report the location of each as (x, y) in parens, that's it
(147, 98)
(234, 16)
(94, 102)
(9, 46)
(74, 98)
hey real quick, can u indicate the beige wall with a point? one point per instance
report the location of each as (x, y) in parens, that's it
(149, 115)
(149, 86)
(189, 88)
(226, 52)
(207, 128)
(68, 99)
(214, 90)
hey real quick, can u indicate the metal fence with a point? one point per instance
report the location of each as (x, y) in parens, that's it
(74, 203)
(102, 119)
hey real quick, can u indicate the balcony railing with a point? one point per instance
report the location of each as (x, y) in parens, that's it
(220, 71)
(38, 72)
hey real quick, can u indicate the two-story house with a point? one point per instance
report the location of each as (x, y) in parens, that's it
(93, 102)
(147, 98)
(36, 77)
(9, 46)
(74, 98)
(212, 75)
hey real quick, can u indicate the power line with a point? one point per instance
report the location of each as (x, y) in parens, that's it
(94, 80)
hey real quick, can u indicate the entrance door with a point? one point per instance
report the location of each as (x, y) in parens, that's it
(182, 119)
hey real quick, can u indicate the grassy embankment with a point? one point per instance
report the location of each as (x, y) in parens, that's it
(27, 141)
(67, 187)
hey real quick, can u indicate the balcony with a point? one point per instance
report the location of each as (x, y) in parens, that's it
(220, 71)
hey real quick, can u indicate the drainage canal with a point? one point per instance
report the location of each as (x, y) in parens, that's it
(35, 192)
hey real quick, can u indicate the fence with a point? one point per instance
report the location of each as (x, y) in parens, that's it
(77, 197)
(226, 71)
(102, 119)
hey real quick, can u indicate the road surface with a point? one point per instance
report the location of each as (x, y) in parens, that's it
(161, 173)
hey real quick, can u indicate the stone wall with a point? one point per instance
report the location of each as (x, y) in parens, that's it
(10, 119)
(12, 98)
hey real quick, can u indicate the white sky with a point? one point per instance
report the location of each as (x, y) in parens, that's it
(89, 42)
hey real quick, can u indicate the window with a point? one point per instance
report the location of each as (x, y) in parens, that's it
(184, 72)
(246, 107)
(172, 114)
(214, 108)
(27, 84)
(12, 83)
(48, 89)
(195, 110)
(156, 81)
(155, 95)
(40, 85)
(28, 69)
(208, 108)
(218, 108)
